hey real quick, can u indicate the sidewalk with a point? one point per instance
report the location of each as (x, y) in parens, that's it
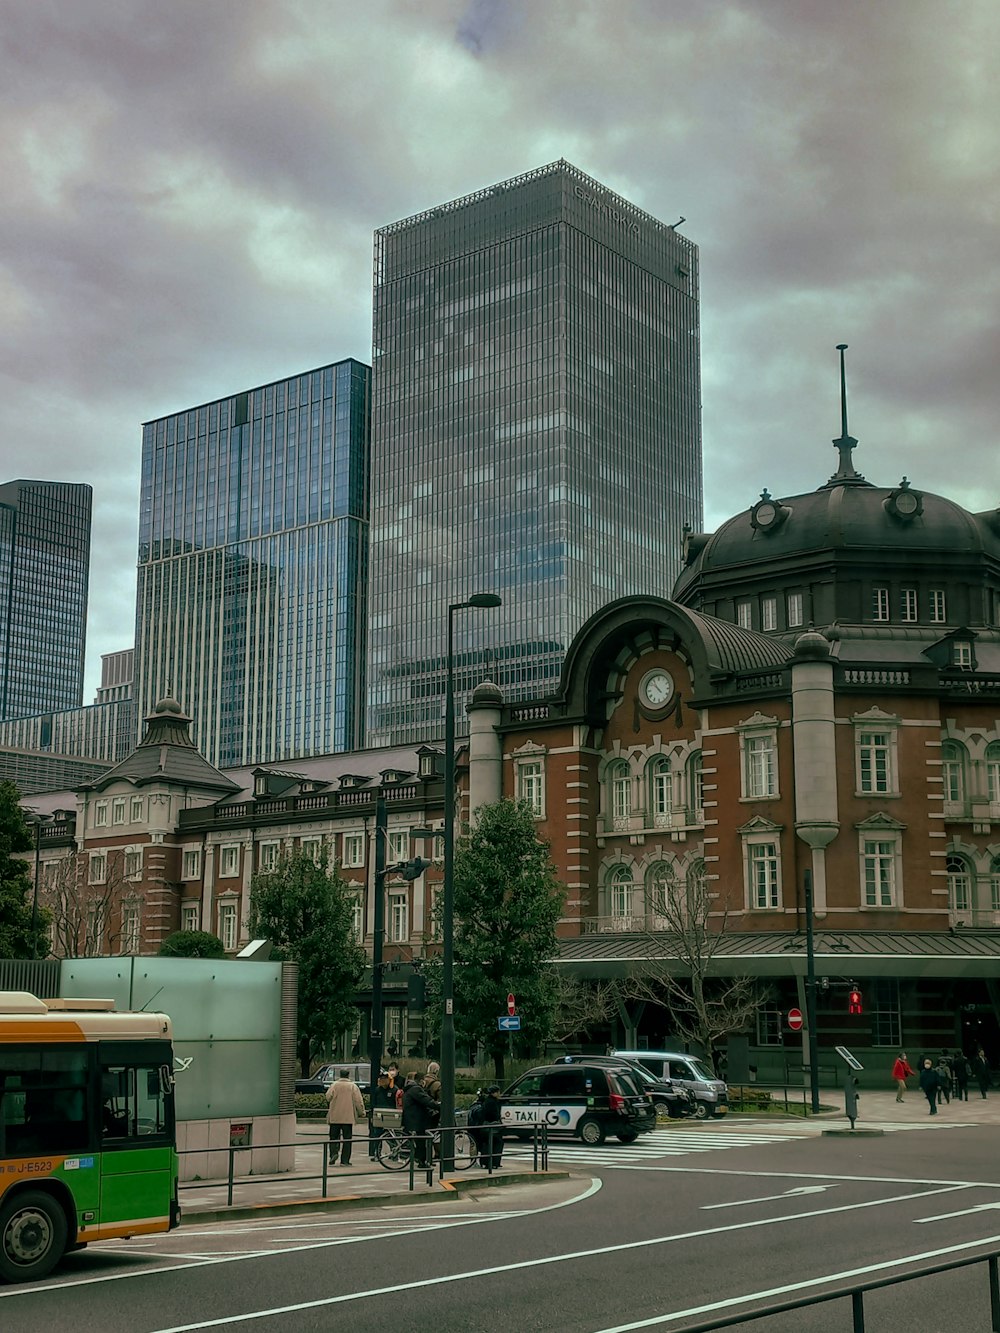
(880, 1108)
(363, 1183)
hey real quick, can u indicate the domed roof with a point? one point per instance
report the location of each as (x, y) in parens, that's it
(487, 694)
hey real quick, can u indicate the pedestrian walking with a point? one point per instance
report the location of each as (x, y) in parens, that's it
(345, 1105)
(901, 1071)
(943, 1071)
(929, 1083)
(490, 1127)
(960, 1073)
(981, 1070)
(420, 1114)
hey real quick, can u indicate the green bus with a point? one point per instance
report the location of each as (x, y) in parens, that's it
(87, 1144)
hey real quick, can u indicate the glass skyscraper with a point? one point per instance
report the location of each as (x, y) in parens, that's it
(252, 564)
(44, 577)
(536, 433)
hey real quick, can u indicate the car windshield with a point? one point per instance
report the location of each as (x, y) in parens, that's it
(700, 1071)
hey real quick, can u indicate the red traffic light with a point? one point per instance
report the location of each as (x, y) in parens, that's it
(854, 1002)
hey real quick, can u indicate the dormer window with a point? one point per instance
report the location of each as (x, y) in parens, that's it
(260, 785)
(961, 654)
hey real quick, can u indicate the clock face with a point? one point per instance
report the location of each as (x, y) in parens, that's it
(765, 515)
(656, 688)
(906, 503)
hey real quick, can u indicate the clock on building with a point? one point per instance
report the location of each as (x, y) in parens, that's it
(656, 688)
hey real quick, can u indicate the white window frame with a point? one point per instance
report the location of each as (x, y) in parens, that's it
(97, 869)
(131, 932)
(313, 847)
(529, 776)
(961, 654)
(620, 793)
(881, 869)
(229, 860)
(694, 773)
(397, 846)
(744, 613)
(880, 602)
(621, 893)
(353, 850)
(356, 902)
(136, 805)
(95, 925)
(762, 853)
(939, 606)
(118, 810)
(875, 740)
(229, 923)
(191, 863)
(909, 610)
(961, 884)
(101, 814)
(760, 764)
(661, 791)
(133, 856)
(953, 775)
(768, 613)
(992, 760)
(190, 916)
(268, 855)
(399, 918)
(794, 609)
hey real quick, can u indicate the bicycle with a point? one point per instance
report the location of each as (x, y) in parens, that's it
(396, 1145)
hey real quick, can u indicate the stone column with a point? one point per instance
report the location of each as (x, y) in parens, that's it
(485, 751)
(814, 746)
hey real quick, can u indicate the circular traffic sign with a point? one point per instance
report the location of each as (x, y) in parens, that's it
(795, 1019)
(510, 1003)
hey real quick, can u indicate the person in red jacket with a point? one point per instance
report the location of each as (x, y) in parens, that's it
(901, 1071)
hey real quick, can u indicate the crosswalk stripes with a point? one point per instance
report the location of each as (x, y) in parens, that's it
(660, 1143)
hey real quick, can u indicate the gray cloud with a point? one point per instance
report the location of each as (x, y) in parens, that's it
(190, 192)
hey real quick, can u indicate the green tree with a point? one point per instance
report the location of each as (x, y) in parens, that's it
(192, 944)
(304, 908)
(507, 903)
(16, 884)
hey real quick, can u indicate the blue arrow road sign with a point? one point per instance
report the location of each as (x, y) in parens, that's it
(509, 1022)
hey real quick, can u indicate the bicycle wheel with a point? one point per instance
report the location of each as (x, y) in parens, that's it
(465, 1150)
(393, 1150)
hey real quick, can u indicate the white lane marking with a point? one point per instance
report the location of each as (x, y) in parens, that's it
(941, 1217)
(594, 1186)
(769, 1198)
(247, 1316)
(813, 1175)
(791, 1286)
(256, 1227)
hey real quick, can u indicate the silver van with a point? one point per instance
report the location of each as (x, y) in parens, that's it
(688, 1071)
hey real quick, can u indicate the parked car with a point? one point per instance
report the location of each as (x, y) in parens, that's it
(670, 1100)
(588, 1100)
(688, 1071)
(321, 1079)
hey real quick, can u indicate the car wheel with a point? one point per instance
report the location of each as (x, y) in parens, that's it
(627, 1135)
(662, 1110)
(591, 1132)
(702, 1111)
(32, 1236)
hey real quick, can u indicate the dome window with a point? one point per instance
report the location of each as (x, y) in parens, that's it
(768, 514)
(905, 504)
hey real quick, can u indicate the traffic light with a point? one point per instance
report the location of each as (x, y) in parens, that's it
(854, 1001)
(415, 868)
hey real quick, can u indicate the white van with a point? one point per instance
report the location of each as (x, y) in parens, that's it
(688, 1071)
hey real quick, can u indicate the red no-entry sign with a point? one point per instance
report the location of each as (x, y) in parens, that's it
(510, 1003)
(795, 1019)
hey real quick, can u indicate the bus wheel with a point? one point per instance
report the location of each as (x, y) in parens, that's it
(32, 1236)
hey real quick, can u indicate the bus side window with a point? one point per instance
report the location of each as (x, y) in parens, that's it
(132, 1102)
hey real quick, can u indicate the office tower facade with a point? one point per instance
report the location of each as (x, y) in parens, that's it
(252, 563)
(536, 433)
(44, 578)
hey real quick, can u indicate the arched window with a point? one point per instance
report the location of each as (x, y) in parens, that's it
(661, 894)
(696, 881)
(620, 790)
(661, 792)
(960, 880)
(993, 772)
(620, 898)
(696, 788)
(953, 772)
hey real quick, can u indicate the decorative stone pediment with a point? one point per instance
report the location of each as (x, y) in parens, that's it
(528, 748)
(759, 824)
(875, 714)
(880, 821)
(758, 722)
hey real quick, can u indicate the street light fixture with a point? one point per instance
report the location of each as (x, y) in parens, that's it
(486, 601)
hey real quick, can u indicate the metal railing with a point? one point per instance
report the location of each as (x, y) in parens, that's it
(856, 1295)
(767, 1096)
(414, 1168)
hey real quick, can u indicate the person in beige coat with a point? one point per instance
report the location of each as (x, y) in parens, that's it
(346, 1105)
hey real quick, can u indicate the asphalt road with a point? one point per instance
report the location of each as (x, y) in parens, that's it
(650, 1240)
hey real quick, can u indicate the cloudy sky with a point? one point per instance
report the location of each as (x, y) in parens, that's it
(190, 189)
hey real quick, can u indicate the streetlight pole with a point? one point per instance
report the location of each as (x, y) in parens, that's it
(807, 881)
(378, 938)
(485, 599)
(39, 820)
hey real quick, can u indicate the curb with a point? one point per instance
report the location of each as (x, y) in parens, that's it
(447, 1189)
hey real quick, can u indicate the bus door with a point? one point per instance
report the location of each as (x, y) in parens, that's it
(138, 1163)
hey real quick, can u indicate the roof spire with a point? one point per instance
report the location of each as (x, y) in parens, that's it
(846, 443)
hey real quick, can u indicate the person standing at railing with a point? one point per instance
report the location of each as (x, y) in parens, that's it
(901, 1071)
(420, 1114)
(383, 1099)
(346, 1105)
(490, 1129)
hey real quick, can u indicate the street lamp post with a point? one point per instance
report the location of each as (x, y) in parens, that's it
(39, 821)
(484, 600)
(378, 938)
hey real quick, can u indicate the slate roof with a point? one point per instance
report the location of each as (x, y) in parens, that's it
(166, 754)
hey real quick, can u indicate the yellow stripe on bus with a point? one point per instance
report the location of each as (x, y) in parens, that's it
(142, 1226)
(52, 1029)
